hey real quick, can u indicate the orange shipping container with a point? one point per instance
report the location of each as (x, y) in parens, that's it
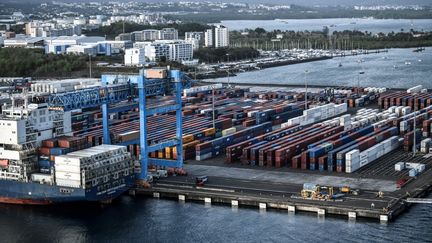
(155, 73)
(4, 163)
(209, 131)
(191, 144)
(44, 151)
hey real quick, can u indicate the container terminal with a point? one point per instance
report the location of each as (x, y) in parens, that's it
(352, 151)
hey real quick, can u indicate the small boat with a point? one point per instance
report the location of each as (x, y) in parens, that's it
(340, 64)
(395, 66)
(419, 49)
(407, 63)
(420, 60)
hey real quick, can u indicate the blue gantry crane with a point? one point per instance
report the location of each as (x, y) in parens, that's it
(120, 87)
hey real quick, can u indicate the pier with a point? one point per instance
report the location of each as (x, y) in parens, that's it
(240, 186)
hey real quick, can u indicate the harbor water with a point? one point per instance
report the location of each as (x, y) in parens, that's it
(334, 24)
(153, 220)
(397, 68)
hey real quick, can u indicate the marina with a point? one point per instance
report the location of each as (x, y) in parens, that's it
(270, 59)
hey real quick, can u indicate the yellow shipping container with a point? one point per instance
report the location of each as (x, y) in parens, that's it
(191, 144)
(188, 138)
(160, 154)
(209, 131)
(168, 152)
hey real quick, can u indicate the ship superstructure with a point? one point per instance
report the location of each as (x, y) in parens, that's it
(95, 174)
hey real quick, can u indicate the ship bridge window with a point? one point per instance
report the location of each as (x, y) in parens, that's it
(65, 190)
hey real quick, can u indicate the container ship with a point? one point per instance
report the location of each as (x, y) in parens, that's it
(73, 171)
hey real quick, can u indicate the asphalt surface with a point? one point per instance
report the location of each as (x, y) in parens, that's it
(272, 190)
(296, 177)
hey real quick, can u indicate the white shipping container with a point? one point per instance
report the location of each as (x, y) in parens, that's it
(364, 162)
(67, 168)
(399, 166)
(42, 178)
(420, 168)
(202, 157)
(68, 175)
(68, 183)
(425, 142)
(228, 131)
(67, 160)
(406, 110)
(415, 89)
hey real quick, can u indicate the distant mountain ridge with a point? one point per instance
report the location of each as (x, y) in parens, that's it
(298, 2)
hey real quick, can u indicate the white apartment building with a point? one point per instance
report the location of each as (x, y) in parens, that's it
(170, 50)
(217, 36)
(173, 50)
(134, 57)
(168, 34)
(46, 29)
(195, 38)
(80, 21)
(156, 52)
(180, 51)
(150, 34)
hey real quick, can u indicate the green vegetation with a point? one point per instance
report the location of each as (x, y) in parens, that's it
(213, 55)
(345, 40)
(21, 62)
(34, 63)
(117, 28)
(18, 28)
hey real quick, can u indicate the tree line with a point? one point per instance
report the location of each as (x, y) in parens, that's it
(346, 40)
(34, 63)
(110, 32)
(214, 55)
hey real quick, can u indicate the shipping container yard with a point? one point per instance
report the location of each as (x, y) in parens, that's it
(356, 143)
(356, 151)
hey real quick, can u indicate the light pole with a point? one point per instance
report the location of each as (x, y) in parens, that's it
(213, 106)
(358, 76)
(306, 89)
(228, 72)
(90, 66)
(414, 126)
(358, 81)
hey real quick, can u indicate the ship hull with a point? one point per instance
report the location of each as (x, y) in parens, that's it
(15, 192)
